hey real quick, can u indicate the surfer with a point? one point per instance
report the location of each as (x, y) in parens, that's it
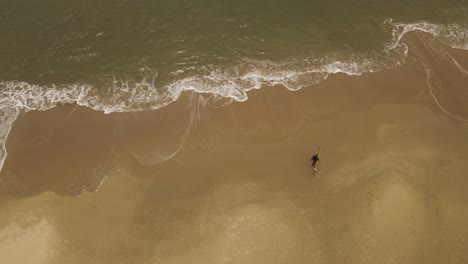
(315, 158)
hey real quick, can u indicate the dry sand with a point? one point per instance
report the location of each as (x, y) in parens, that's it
(203, 181)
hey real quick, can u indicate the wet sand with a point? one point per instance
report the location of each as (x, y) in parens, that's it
(205, 181)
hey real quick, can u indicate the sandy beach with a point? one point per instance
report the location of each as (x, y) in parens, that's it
(206, 180)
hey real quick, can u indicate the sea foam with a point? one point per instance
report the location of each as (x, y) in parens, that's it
(126, 95)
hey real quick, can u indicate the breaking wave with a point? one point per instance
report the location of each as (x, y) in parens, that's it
(125, 95)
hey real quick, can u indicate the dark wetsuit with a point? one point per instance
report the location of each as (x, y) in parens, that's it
(315, 158)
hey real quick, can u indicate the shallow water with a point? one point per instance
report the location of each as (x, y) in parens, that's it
(134, 55)
(121, 56)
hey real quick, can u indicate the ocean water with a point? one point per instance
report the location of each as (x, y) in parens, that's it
(132, 55)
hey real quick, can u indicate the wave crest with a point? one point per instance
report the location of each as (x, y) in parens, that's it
(125, 95)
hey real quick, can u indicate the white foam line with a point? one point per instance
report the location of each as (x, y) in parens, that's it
(464, 72)
(104, 178)
(8, 116)
(195, 112)
(445, 111)
(453, 35)
(131, 95)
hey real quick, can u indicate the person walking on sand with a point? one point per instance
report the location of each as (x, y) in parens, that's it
(315, 158)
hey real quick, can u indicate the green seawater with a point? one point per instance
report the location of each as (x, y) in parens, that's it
(153, 44)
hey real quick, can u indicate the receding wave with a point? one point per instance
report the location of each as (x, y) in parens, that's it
(125, 95)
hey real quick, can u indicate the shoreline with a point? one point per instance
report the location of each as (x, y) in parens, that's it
(35, 96)
(199, 183)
